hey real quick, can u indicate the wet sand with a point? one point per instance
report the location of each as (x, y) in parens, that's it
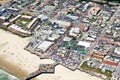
(11, 67)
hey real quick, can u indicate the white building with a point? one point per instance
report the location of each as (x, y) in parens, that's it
(74, 31)
(26, 16)
(42, 17)
(67, 39)
(31, 23)
(16, 28)
(45, 45)
(85, 44)
(15, 18)
(117, 50)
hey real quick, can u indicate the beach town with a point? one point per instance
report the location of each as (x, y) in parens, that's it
(56, 39)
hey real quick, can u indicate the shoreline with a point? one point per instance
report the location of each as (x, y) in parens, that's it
(19, 62)
(13, 58)
(12, 68)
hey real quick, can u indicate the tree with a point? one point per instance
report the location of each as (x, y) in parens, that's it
(107, 1)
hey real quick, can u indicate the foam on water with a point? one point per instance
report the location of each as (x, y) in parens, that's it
(6, 76)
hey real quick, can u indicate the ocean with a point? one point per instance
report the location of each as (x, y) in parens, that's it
(7, 76)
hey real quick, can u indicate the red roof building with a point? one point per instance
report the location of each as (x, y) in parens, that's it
(110, 62)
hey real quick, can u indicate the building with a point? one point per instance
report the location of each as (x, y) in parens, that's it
(94, 10)
(97, 55)
(19, 30)
(44, 46)
(116, 73)
(117, 51)
(86, 6)
(108, 65)
(90, 39)
(2, 19)
(11, 20)
(13, 9)
(67, 39)
(72, 17)
(74, 31)
(61, 23)
(32, 23)
(2, 11)
(85, 44)
(43, 17)
(53, 37)
(26, 17)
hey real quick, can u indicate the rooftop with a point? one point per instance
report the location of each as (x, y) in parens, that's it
(83, 43)
(110, 62)
(45, 45)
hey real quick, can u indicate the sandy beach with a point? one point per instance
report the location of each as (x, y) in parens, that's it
(4, 1)
(16, 60)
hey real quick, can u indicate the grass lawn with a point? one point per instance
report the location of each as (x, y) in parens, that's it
(23, 22)
(98, 70)
(92, 19)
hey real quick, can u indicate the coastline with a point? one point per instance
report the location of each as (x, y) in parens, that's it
(13, 58)
(11, 68)
(19, 62)
(4, 75)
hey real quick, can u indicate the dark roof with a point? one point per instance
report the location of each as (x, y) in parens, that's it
(1, 12)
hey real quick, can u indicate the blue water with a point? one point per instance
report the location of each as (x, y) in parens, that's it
(6, 76)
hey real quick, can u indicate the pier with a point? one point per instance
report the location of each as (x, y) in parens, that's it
(43, 68)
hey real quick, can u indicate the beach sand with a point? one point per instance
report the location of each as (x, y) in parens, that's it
(62, 73)
(4, 1)
(16, 60)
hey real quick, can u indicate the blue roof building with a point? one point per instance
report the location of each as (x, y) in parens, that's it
(2, 11)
